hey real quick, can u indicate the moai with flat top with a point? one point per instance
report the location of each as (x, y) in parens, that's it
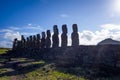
(15, 44)
(34, 41)
(31, 41)
(55, 37)
(75, 36)
(64, 36)
(23, 41)
(48, 40)
(38, 40)
(28, 43)
(43, 40)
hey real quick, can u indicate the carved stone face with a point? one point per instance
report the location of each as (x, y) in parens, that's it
(55, 29)
(48, 33)
(22, 37)
(64, 28)
(75, 29)
(15, 39)
(34, 37)
(27, 39)
(38, 36)
(43, 34)
(31, 38)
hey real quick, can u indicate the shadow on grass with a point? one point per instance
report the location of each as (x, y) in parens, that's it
(18, 69)
(18, 65)
(104, 73)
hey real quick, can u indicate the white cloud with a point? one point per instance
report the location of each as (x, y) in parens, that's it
(14, 28)
(26, 27)
(64, 15)
(107, 31)
(6, 30)
(29, 24)
(9, 34)
(32, 27)
(69, 41)
(12, 35)
(111, 27)
(28, 33)
(88, 35)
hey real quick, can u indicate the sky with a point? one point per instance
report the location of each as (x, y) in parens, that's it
(96, 19)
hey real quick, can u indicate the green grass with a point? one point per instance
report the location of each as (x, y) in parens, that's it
(46, 72)
(3, 50)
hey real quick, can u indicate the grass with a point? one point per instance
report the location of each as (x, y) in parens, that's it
(41, 74)
(48, 73)
(3, 50)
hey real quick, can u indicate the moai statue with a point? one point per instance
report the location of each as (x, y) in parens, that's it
(27, 42)
(15, 44)
(55, 37)
(75, 36)
(38, 41)
(31, 42)
(23, 41)
(48, 40)
(19, 44)
(43, 40)
(64, 36)
(34, 41)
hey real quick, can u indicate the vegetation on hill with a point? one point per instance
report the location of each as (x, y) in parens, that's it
(35, 69)
(4, 50)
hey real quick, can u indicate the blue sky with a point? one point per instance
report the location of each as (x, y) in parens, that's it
(29, 17)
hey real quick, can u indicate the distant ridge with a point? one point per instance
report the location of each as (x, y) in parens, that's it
(109, 41)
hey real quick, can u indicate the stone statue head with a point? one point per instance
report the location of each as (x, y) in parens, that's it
(75, 29)
(64, 28)
(15, 39)
(27, 38)
(48, 33)
(43, 34)
(34, 37)
(55, 29)
(38, 36)
(30, 38)
(22, 37)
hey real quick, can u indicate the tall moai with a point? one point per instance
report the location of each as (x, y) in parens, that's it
(55, 37)
(27, 42)
(75, 36)
(15, 44)
(23, 41)
(48, 40)
(43, 40)
(34, 41)
(38, 40)
(64, 36)
(31, 41)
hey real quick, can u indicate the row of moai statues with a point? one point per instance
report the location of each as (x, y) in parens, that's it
(36, 41)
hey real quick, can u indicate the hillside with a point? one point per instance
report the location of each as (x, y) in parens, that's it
(61, 64)
(109, 41)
